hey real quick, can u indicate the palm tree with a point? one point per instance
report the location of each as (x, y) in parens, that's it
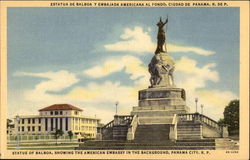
(70, 133)
(57, 134)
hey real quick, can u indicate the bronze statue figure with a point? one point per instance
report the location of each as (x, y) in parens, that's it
(161, 36)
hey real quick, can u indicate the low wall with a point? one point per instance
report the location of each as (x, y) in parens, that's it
(207, 132)
(39, 137)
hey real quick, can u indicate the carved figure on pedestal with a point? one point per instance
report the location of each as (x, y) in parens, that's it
(170, 71)
(152, 73)
(155, 69)
(161, 71)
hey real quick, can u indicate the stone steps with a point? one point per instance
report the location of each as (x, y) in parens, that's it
(160, 145)
(163, 102)
(185, 144)
(195, 140)
(155, 132)
(189, 130)
(120, 132)
(189, 136)
(157, 113)
(155, 120)
(157, 107)
(146, 148)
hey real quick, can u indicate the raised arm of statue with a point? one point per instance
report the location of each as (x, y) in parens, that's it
(165, 22)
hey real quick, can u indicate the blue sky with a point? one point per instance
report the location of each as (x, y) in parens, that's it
(93, 57)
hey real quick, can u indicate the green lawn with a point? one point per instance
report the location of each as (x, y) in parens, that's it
(44, 144)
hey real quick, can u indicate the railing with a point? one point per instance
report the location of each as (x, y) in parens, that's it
(108, 125)
(118, 120)
(200, 118)
(132, 128)
(106, 132)
(123, 119)
(13, 138)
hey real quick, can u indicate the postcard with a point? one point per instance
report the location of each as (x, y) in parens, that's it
(124, 79)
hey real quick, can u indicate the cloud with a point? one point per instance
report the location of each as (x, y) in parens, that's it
(194, 77)
(101, 98)
(216, 98)
(197, 50)
(214, 101)
(103, 92)
(194, 80)
(96, 98)
(138, 41)
(132, 65)
(55, 81)
(133, 40)
(189, 75)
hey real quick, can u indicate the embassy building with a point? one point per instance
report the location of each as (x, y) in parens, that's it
(58, 116)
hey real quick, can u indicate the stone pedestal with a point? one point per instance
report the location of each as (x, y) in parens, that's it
(172, 133)
(158, 105)
(225, 131)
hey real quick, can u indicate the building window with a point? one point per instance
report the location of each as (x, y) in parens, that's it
(76, 113)
(33, 128)
(39, 120)
(22, 121)
(51, 112)
(51, 124)
(28, 128)
(33, 120)
(61, 123)
(56, 123)
(39, 128)
(29, 121)
(46, 124)
(61, 112)
(56, 112)
(22, 128)
(66, 124)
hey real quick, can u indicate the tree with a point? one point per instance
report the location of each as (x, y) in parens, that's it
(70, 133)
(9, 123)
(57, 134)
(221, 121)
(231, 116)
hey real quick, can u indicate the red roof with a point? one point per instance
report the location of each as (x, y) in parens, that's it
(60, 107)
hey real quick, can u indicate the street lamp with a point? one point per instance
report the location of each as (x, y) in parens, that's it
(196, 100)
(202, 108)
(116, 104)
(18, 120)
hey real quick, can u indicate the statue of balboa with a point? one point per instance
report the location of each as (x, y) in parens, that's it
(161, 67)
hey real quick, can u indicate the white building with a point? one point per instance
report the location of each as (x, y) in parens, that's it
(58, 116)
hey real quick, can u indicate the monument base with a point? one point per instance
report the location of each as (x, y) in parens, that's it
(158, 105)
